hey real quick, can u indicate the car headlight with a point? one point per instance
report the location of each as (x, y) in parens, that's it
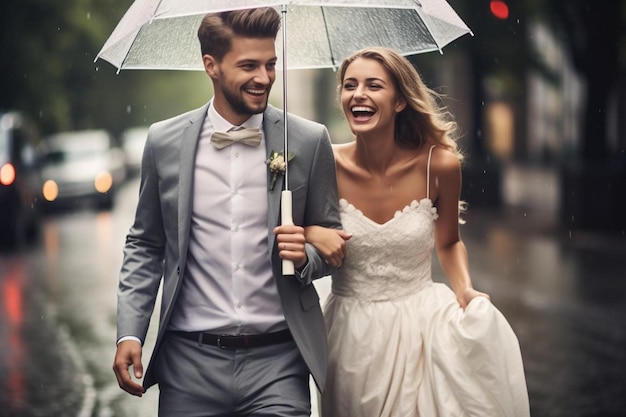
(50, 190)
(7, 174)
(103, 182)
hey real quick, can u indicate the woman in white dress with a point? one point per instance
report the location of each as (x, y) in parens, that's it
(400, 344)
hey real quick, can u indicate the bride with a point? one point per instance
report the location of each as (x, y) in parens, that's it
(400, 344)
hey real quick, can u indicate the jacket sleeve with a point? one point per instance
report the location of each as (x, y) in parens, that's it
(142, 266)
(322, 206)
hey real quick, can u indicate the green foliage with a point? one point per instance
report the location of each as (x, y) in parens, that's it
(48, 69)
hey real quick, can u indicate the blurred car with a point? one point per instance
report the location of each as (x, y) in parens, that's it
(20, 179)
(133, 141)
(82, 166)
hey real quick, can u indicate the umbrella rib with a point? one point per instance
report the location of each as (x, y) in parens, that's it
(428, 30)
(330, 47)
(149, 22)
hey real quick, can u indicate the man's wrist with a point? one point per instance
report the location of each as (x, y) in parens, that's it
(125, 338)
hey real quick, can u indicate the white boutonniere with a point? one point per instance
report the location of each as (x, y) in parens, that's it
(277, 165)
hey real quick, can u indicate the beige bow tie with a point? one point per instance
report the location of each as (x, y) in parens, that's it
(249, 136)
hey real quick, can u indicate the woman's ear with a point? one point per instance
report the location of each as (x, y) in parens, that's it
(400, 104)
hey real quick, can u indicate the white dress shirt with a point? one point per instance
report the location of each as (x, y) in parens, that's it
(228, 286)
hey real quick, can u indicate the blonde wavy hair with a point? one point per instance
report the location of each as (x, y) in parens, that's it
(423, 120)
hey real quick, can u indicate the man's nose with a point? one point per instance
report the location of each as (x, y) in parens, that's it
(262, 76)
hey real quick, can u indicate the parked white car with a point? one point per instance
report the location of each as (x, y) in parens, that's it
(82, 165)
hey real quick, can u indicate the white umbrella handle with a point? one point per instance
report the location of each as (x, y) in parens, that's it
(286, 218)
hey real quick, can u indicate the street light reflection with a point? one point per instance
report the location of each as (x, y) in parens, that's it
(13, 361)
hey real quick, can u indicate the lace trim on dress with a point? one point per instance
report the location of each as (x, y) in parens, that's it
(425, 205)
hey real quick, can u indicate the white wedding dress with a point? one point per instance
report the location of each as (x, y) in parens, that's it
(399, 344)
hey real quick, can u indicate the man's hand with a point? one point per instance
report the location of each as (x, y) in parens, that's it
(290, 239)
(128, 354)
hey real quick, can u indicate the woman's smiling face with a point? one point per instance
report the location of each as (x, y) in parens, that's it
(369, 97)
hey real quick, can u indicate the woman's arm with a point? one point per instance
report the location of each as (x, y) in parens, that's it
(331, 243)
(451, 251)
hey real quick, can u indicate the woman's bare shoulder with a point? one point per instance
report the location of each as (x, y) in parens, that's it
(444, 161)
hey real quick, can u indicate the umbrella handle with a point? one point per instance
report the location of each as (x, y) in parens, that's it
(286, 218)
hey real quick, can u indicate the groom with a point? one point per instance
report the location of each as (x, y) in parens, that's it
(235, 336)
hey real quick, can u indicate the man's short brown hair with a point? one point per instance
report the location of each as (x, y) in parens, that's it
(217, 29)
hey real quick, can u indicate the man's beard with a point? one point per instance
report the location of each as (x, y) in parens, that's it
(237, 103)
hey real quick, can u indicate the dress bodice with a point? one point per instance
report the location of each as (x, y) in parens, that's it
(386, 261)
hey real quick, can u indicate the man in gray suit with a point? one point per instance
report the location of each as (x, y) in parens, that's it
(236, 337)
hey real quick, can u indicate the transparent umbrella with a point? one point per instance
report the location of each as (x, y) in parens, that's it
(162, 34)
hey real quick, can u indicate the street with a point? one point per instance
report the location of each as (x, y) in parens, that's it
(564, 293)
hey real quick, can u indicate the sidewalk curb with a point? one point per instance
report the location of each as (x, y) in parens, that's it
(89, 392)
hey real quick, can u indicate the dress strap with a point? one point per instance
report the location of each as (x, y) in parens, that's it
(430, 153)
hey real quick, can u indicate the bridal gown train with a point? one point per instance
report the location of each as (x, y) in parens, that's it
(399, 344)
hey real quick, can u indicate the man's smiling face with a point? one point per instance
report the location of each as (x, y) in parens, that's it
(244, 78)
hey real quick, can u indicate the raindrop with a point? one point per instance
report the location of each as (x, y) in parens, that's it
(88, 15)
(97, 69)
(128, 109)
(570, 234)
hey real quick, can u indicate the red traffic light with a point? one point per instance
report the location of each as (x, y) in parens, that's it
(499, 9)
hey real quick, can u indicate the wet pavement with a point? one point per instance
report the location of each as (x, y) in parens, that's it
(564, 293)
(41, 372)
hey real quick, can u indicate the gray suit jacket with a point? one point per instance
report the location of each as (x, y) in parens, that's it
(156, 245)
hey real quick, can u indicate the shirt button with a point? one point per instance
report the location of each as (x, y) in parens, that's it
(239, 305)
(236, 154)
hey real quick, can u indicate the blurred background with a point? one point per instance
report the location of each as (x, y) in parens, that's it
(539, 93)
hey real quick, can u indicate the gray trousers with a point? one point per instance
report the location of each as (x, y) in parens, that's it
(207, 381)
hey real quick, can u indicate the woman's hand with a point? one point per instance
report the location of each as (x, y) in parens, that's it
(468, 295)
(331, 243)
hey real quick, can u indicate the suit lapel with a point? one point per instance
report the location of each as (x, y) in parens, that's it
(188, 147)
(273, 129)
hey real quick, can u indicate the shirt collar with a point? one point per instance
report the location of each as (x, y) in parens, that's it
(222, 125)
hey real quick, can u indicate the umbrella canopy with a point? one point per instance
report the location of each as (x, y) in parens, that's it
(161, 34)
